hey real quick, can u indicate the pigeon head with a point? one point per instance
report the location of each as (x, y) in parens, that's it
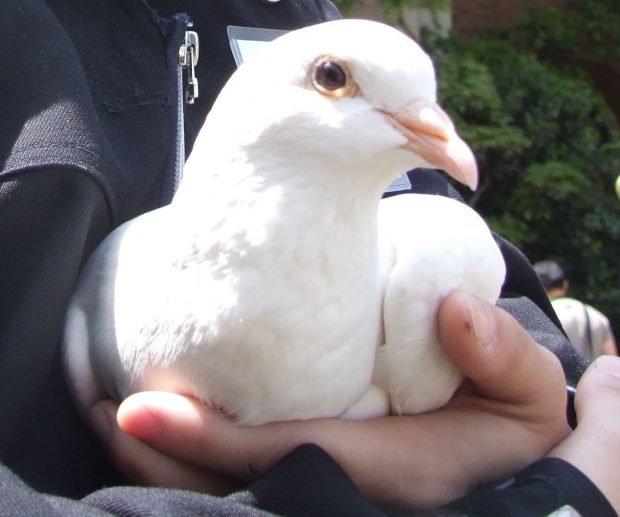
(344, 97)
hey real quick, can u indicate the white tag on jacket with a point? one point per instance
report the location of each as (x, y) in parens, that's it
(400, 183)
(245, 40)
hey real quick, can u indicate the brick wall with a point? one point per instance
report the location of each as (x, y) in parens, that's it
(470, 16)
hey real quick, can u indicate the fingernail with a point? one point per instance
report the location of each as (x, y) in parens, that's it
(99, 422)
(482, 319)
(137, 419)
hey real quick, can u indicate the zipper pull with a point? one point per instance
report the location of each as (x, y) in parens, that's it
(188, 57)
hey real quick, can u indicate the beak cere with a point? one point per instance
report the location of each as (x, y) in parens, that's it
(431, 135)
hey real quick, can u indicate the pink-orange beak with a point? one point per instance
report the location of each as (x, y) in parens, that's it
(431, 135)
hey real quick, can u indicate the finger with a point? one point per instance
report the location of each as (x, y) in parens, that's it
(184, 428)
(146, 466)
(598, 393)
(496, 353)
(594, 447)
(516, 386)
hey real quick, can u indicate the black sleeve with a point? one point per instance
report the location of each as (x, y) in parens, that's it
(52, 217)
(541, 489)
(307, 482)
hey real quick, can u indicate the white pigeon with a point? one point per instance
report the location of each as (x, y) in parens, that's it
(269, 283)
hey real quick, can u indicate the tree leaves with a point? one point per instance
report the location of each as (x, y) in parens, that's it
(547, 144)
(549, 152)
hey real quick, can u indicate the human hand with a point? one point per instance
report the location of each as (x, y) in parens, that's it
(594, 446)
(509, 413)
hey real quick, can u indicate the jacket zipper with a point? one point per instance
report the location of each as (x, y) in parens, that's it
(182, 55)
(188, 57)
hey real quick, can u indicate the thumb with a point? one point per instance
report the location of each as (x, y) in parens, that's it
(496, 353)
(147, 466)
(184, 428)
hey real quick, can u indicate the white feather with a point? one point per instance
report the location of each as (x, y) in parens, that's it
(260, 288)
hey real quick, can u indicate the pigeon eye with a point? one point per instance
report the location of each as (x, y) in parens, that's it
(331, 77)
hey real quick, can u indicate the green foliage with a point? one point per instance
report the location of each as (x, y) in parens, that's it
(589, 27)
(549, 152)
(345, 5)
(399, 4)
(547, 145)
(393, 8)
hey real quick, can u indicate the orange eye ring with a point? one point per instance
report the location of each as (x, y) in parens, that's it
(330, 76)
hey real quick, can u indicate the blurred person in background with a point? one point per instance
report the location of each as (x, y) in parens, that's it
(587, 328)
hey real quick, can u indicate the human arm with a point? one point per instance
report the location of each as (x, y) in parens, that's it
(420, 462)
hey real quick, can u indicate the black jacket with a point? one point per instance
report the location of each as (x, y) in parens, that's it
(89, 117)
